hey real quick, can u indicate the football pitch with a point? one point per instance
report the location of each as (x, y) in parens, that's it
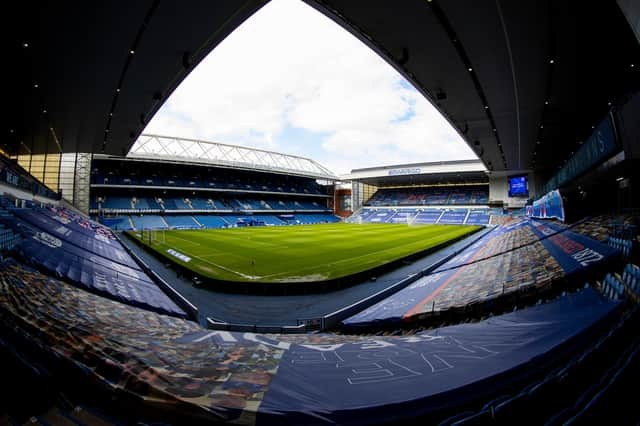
(302, 253)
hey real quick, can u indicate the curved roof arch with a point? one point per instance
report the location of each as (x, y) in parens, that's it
(156, 147)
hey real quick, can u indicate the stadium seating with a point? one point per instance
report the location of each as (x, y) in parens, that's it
(612, 288)
(84, 253)
(7, 238)
(428, 216)
(625, 246)
(402, 216)
(221, 205)
(381, 216)
(421, 196)
(201, 204)
(151, 203)
(269, 369)
(148, 222)
(212, 221)
(477, 217)
(631, 278)
(181, 222)
(117, 203)
(522, 256)
(268, 219)
(121, 223)
(180, 177)
(140, 203)
(453, 216)
(422, 216)
(310, 218)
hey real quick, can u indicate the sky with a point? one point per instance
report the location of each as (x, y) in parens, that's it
(291, 80)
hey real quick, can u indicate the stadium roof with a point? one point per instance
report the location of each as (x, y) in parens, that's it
(523, 82)
(441, 172)
(155, 147)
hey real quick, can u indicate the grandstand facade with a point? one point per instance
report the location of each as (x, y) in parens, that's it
(452, 192)
(172, 183)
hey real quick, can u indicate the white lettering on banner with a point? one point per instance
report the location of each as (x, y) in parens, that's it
(224, 335)
(179, 255)
(62, 230)
(252, 337)
(426, 280)
(61, 219)
(102, 238)
(324, 348)
(408, 171)
(376, 344)
(587, 256)
(48, 240)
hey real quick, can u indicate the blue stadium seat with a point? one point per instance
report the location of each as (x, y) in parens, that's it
(454, 217)
(148, 222)
(181, 222)
(118, 203)
(200, 204)
(429, 196)
(211, 221)
(121, 223)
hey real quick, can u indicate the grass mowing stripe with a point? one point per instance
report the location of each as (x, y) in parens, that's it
(299, 253)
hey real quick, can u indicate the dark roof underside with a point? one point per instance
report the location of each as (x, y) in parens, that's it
(78, 55)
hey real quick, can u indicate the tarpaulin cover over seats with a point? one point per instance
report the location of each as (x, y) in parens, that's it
(97, 264)
(268, 379)
(524, 254)
(88, 241)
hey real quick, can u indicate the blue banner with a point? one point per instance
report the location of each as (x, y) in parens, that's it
(549, 206)
(388, 377)
(600, 145)
(251, 378)
(571, 250)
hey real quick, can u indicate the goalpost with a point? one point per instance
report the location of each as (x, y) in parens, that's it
(157, 236)
(411, 220)
(151, 236)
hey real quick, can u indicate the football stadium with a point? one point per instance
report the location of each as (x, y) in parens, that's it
(155, 279)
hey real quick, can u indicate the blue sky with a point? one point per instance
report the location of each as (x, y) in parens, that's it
(291, 80)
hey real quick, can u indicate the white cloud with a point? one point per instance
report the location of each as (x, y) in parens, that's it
(290, 66)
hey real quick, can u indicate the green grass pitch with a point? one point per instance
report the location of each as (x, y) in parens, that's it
(303, 253)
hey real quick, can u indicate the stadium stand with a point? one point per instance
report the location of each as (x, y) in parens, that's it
(116, 203)
(402, 216)
(380, 216)
(523, 256)
(211, 221)
(478, 217)
(7, 238)
(201, 204)
(118, 223)
(278, 374)
(181, 222)
(417, 196)
(141, 175)
(428, 216)
(310, 218)
(422, 216)
(148, 222)
(454, 216)
(86, 254)
(134, 188)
